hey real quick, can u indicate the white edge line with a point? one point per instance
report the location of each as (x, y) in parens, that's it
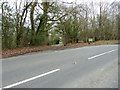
(30, 79)
(101, 54)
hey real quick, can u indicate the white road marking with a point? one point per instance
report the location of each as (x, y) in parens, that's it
(101, 54)
(30, 79)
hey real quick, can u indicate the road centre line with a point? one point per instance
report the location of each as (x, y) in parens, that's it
(102, 54)
(30, 79)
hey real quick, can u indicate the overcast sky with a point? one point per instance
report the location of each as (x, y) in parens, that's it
(77, 1)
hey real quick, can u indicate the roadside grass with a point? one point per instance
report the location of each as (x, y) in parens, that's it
(108, 42)
(103, 42)
(25, 50)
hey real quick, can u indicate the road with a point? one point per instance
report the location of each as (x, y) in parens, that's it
(85, 67)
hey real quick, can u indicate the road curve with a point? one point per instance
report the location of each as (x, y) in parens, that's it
(85, 67)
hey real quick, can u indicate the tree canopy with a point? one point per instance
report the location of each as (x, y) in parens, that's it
(44, 23)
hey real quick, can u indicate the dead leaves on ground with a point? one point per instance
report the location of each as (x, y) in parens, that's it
(24, 50)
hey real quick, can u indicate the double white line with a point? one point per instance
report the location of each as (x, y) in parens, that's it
(30, 79)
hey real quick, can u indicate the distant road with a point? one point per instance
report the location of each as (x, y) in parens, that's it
(85, 67)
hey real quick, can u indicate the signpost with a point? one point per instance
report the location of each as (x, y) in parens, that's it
(90, 40)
